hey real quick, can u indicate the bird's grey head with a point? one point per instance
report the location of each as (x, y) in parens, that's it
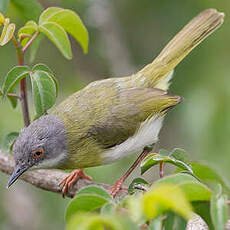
(43, 144)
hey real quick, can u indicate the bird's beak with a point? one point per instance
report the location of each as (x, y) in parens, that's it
(18, 171)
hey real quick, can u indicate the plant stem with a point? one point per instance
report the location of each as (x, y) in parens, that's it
(23, 92)
(13, 95)
(30, 41)
(162, 169)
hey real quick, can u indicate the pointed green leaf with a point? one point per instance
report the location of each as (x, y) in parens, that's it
(165, 197)
(33, 24)
(156, 224)
(44, 91)
(13, 77)
(108, 208)
(174, 222)
(219, 209)
(28, 9)
(58, 36)
(192, 188)
(180, 154)
(84, 203)
(90, 221)
(25, 33)
(136, 181)
(45, 68)
(4, 4)
(29, 30)
(202, 208)
(42, 67)
(13, 100)
(47, 13)
(2, 19)
(8, 142)
(7, 32)
(96, 191)
(164, 152)
(71, 23)
(34, 47)
(209, 176)
(154, 159)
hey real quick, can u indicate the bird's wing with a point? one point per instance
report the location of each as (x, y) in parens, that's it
(109, 113)
(128, 109)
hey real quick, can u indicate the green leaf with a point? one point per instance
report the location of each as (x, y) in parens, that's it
(26, 32)
(84, 203)
(71, 23)
(100, 222)
(8, 142)
(136, 181)
(96, 190)
(180, 154)
(209, 176)
(34, 47)
(13, 100)
(156, 224)
(7, 32)
(165, 197)
(164, 152)
(175, 222)
(196, 191)
(45, 68)
(2, 19)
(47, 13)
(192, 188)
(108, 208)
(28, 9)
(4, 4)
(154, 159)
(219, 209)
(13, 77)
(134, 206)
(202, 208)
(58, 36)
(44, 91)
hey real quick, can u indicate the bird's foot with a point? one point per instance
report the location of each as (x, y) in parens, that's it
(71, 179)
(117, 187)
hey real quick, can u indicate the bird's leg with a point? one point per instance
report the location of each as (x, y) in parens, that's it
(118, 184)
(71, 179)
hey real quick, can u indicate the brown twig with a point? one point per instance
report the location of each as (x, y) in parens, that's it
(48, 179)
(14, 95)
(162, 169)
(23, 92)
(30, 41)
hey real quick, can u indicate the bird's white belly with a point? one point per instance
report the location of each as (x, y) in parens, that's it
(146, 135)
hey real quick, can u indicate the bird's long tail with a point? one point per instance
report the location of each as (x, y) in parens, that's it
(158, 73)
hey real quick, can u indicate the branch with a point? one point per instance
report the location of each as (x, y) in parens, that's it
(47, 179)
(30, 41)
(23, 92)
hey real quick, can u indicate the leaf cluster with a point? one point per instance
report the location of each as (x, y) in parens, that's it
(166, 204)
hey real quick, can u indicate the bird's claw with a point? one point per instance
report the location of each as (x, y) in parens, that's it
(71, 179)
(117, 187)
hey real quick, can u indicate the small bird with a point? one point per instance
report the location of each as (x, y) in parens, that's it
(112, 118)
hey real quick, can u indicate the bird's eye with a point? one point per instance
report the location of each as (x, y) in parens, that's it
(38, 153)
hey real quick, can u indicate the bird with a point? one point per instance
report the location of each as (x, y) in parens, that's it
(112, 118)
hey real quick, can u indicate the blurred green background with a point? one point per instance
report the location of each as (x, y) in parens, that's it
(125, 35)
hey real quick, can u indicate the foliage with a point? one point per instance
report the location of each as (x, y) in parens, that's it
(169, 202)
(54, 23)
(166, 204)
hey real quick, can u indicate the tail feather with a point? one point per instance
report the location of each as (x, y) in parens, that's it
(157, 74)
